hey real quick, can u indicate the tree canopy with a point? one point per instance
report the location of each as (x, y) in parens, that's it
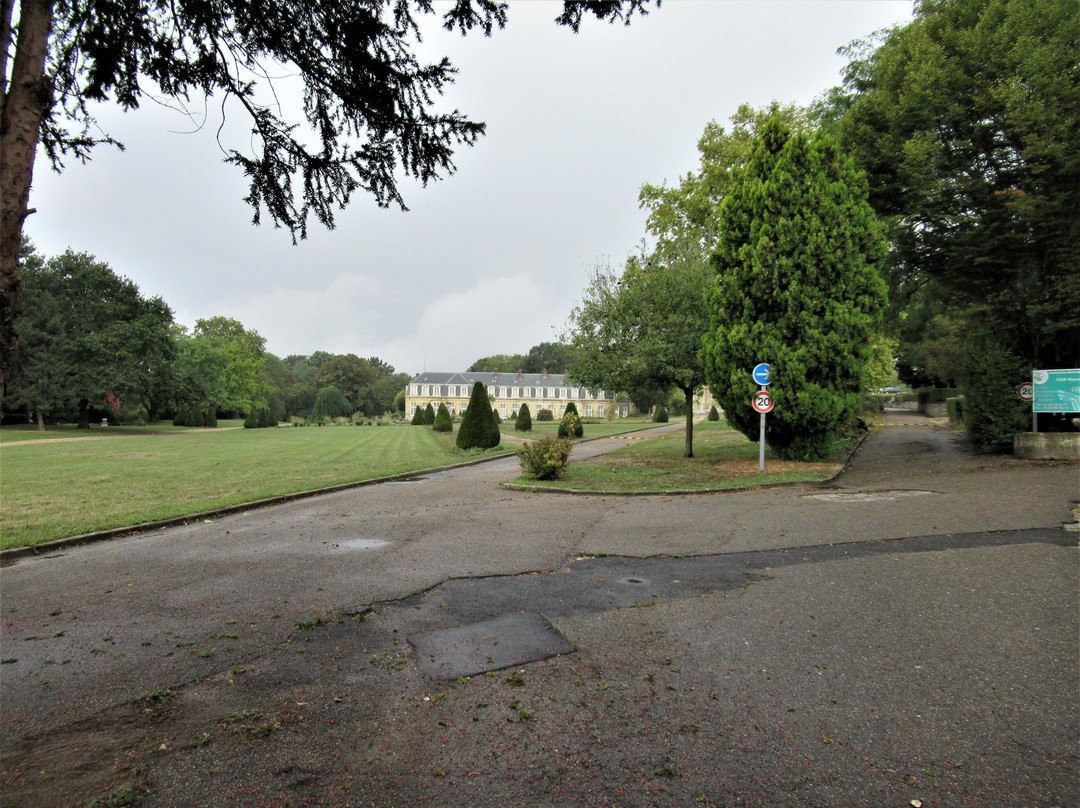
(92, 340)
(967, 122)
(642, 328)
(369, 113)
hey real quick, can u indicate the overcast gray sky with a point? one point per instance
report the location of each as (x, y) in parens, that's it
(492, 259)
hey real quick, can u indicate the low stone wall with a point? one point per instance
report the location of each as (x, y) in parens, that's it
(1047, 445)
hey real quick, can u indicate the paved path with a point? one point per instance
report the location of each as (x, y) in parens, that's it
(811, 661)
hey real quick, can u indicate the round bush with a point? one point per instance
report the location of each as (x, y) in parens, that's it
(570, 426)
(546, 458)
(660, 416)
(545, 415)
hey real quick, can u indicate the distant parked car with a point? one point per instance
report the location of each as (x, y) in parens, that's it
(892, 391)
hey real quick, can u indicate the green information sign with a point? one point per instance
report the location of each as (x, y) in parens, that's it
(1056, 390)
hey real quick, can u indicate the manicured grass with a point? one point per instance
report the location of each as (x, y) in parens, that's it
(722, 458)
(62, 488)
(593, 429)
(24, 432)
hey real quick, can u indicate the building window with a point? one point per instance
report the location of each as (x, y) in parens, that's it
(550, 393)
(514, 393)
(427, 390)
(588, 410)
(502, 409)
(600, 411)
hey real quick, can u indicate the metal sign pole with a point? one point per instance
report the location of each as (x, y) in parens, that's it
(761, 447)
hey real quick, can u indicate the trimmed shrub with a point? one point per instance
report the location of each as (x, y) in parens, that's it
(714, 414)
(660, 416)
(546, 458)
(571, 407)
(419, 418)
(210, 417)
(570, 426)
(260, 418)
(524, 419)
(182, 416)
(332, 402)
(496, 418)
(429, 414)
(478, 430)
(545, 415)
(992, 413)
(443, 421)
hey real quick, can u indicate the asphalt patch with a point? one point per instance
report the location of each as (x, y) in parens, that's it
(489, 645)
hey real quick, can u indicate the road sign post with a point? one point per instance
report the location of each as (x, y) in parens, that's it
(762, 403)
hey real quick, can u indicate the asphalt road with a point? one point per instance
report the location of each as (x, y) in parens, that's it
(908, 633)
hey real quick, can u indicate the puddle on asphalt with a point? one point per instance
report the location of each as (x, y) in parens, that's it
(867, 496)
(361, 544)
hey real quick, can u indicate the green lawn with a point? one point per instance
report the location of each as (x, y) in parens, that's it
(60, 488)
(722, 458)
(593, 429)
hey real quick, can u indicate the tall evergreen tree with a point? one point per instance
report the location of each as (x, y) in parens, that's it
(798, 287)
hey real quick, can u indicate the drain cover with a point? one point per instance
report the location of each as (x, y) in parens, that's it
(867, 496)
(489, 645)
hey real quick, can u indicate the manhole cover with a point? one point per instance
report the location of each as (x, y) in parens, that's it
(489, 645)
(867, 496)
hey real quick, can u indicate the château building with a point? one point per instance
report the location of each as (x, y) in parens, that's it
(541, 391)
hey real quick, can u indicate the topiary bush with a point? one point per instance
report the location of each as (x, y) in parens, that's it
(478, 429)
(443, 421)
(419, 418)
(545, 415)
(210, 417)
(524, 419)
(546, 458)
(429, 414)
(260, 418)
(992, 413)
(714, 414)
(660, 416)
(570, 426)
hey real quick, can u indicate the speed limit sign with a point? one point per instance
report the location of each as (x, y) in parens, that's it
(763, 402)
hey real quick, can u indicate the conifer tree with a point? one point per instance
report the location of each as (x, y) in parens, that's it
(429, 414)
(524, 419)
(478, 429)
(442, 421)
(798, 286)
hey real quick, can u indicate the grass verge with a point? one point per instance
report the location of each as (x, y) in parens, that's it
(723, 458)
(57, 488)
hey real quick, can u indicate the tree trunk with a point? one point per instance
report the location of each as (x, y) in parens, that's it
(688, 451)
(84, 413)
(40, 421)
(22, 108)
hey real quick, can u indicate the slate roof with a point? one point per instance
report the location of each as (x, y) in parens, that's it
(502, 379)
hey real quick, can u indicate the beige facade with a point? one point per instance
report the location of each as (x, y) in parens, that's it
(547, 391)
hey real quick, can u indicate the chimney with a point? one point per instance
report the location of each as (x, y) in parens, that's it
(519, 374)
(545, 373)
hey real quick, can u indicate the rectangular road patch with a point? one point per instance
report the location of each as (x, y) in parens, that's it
(490, 645)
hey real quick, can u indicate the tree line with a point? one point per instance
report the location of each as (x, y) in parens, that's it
(93, 347)
(922, 217)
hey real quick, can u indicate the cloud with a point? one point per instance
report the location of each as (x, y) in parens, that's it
(496, 315)
(345, 316)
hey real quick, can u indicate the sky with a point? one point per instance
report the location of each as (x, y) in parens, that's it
(492, 259)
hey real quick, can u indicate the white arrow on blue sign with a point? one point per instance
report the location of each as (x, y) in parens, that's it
(761, 373)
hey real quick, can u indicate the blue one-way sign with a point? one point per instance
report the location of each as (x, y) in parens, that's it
(761, 373)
